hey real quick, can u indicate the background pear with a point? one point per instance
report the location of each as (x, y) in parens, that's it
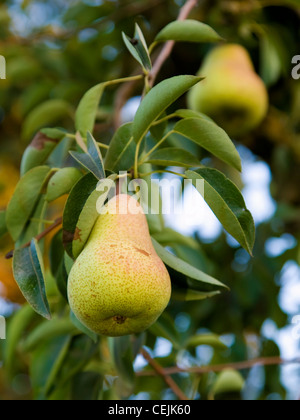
(119, 285)
(232, 94)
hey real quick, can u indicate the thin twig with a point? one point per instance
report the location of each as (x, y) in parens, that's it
(248, 364)
(126, 90)
(159, 370)
(55, 224)
(122, 96)
(168, 48)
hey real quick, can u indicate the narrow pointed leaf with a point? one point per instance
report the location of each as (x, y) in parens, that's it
(186, 269)
(188, 30)
(24, 200)
(94, 152)
(83, 328)
(123, 358)
(87, 110)
(92, 160)
(172, 156)
(29, 274)
(158, 100)
(228, 204)
(41, 147)
(190, 295)
(121, 152)
(62, 182)
(73, 209)
(212, 138)
(138, 48)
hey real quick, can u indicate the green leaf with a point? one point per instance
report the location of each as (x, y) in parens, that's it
(80, 353)
(86, 386)
(46, 114)
(29, 274)
(57, 264)
(3, 228)
(190, 113)
(54, 133)
(93, 336)
(76, 202)
(158, 130)
(169, 237)
(188, 31)
(44, 362)
(81, 211)
(95, 153)
(158, 100)
(172, 156)
(123, 358)
(88, 214)
(227, 203)
(16, 328)
(85, 223)
(138, 48)
(48, 330)
(121, 152)
(35, 224)
(39, 150)
(212, 138)
(186, 269)
(25, 199)
(62, 182)
(189, 295)
(228, 381)
(57, 366)
(212, 340)
(87, 109)
(92, 160)
(271, 66)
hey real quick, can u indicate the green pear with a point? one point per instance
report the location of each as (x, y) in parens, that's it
(119, 285)
(232, 94)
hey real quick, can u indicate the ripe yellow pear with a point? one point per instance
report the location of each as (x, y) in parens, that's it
(232, 94)
(119, 285)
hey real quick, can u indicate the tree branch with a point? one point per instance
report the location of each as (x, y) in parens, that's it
(168, 48)
(122, 97)
(126, 90)
(160, 371)
(55, 224)
(248, 364)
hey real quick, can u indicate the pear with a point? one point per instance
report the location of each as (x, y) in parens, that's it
(118, 284)
(232, 94)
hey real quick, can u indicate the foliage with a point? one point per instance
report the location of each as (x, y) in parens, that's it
(74, 77)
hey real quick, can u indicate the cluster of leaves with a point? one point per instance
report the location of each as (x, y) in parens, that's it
(41, 184)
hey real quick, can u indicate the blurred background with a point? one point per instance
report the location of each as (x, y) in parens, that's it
(56, 50)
